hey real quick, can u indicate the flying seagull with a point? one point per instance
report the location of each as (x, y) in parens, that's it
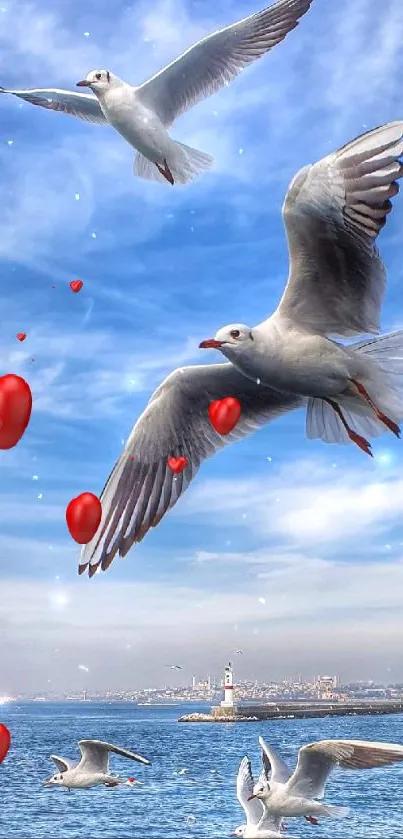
(296, 796)
(259, 823)
(92, 768)
(174, 666)
(143, 114)
(333, 213)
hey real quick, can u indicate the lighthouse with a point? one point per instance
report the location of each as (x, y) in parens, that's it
(228, 688)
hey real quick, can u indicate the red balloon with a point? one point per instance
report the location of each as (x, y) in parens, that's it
(5, 740)
(83, 517)
(224, 414)
(76, 285)
(21, 336)
(177, 464)
(15, 409)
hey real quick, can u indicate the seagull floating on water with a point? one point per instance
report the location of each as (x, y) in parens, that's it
(92, 768)
(333, 213)
(143, 114)
(295, 796)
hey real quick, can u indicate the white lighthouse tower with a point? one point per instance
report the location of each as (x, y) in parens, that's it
(228, 688)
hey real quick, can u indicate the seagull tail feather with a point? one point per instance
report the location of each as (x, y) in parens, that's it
(184, 163)
(335, 812)
(384, 384)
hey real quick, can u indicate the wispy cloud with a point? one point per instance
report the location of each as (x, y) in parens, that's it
(306, 503)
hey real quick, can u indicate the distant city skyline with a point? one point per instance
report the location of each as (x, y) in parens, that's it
(322, 688)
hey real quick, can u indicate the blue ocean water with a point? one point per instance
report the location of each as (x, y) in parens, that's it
(201, 803)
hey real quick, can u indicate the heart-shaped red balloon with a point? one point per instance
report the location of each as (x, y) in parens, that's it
(21, 336)
(224, 414)
(76, 285)
(15, 409)
(177, 464)
(83, 517)
(5, 740)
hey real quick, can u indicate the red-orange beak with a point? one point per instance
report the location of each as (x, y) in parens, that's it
(84, 83)
(210, 344)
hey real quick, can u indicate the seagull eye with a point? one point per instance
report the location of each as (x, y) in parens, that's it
(98, 76)
(235, 333)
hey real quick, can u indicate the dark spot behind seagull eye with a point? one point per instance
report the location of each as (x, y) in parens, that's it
(108, 76)
(235, 333)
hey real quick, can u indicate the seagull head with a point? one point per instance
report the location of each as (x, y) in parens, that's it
(55, 780)
(261, 790)
(99, 81)
(239, 831)
(231, 340)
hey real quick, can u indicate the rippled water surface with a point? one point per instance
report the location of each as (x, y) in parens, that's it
(202, 802)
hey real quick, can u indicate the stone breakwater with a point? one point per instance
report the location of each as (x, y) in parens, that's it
(216, 718)
(306, 710)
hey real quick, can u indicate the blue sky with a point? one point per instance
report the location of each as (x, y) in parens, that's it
(312, 530)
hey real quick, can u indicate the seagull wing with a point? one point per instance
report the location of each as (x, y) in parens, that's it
(142, 487)
(214, 61)
(244, 789)
(274, 764)
(316, 761)
(63, 763)
(95, 755)
(333, 213)
(82, 105)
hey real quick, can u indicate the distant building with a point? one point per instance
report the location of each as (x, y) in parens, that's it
(325, 685)
(193, 682)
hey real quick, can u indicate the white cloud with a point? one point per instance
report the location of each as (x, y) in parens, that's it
(303, 603)
(305, 503)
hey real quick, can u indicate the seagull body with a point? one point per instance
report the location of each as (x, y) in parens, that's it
(333, 213)
(295, 796)
(143, 114)
(92, 768)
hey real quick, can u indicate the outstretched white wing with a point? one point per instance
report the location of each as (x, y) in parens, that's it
(333, 213)
(214, 61)
(63, 763)
(95, 755)
(316, 761)
(253, 808)
(82, 105)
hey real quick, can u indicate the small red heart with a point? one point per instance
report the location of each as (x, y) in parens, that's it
(21, 336)
(177, 464)
(131, 780)
(15, 409)
(224, 414)
(76, 285)
(83, 517)
(5, 740)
